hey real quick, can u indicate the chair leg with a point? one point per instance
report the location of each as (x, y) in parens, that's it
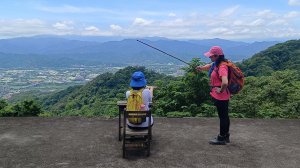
(148, 148)
(149, 139)
(123, 147)
(124, 155)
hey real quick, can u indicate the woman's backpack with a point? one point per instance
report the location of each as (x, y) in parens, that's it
(236, 77)
(135, 103)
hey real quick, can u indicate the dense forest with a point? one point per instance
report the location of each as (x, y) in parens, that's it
(279, 57)
(272, 89)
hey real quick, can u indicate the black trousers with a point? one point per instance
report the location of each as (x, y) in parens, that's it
(222, 108)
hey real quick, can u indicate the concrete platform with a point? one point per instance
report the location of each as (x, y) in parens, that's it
(78, 142)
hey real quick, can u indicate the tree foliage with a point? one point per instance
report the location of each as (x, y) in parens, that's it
(21, 109)
(184, 94)
(275, 96)
(278, 57)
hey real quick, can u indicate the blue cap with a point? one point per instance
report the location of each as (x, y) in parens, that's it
(138, 79)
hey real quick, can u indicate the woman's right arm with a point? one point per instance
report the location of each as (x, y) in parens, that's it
(204, 67)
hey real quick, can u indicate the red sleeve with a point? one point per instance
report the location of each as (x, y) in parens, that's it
(223, 70)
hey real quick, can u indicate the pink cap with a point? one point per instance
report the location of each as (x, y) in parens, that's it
(214, 50)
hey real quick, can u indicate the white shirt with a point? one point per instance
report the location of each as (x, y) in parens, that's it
(147, 99)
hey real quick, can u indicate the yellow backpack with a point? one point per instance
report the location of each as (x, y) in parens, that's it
(134, 103)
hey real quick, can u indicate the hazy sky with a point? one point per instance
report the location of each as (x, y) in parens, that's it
(177, 19)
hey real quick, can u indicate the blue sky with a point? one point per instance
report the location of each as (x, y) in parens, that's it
(176, 19)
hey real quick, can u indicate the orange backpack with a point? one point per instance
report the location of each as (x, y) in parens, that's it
(236, 77)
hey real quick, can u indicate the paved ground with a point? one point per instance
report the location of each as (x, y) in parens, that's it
(177, 142)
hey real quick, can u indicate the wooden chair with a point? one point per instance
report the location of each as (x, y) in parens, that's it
(122, 105)
(136, 139)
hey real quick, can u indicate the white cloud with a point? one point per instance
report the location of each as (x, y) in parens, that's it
(75, 9)
(231, 32)
(250, 24)
(141, 22)
(176, 23)
(64, 25)
(278, 22)
(245, 30)
(257, 22)
(92, 28)
(284, 32)
(266, 14)
(172, 14)
(229, 11)
(25, 27)
(115, 27)
(292, 14)
(238, 23)
(294, 2)
(218, 30)
(94, 31)
(21, 26)
(193, 14)
(34, 22)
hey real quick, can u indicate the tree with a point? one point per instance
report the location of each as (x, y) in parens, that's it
(3, 103)
(184, 94)
(27, 108)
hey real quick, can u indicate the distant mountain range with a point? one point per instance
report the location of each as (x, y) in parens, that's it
(48, 51)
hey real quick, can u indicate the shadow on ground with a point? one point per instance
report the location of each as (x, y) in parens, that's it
(177, 142)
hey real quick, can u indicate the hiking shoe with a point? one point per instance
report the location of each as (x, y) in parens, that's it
(220, 140)
(227, 138)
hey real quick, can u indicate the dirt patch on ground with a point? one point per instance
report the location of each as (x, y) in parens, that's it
(177, 142)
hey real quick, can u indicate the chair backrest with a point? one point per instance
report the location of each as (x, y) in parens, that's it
(137, 114)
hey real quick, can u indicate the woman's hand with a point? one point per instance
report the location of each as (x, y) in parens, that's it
(151, 88)
(223, 85)
(199, 68)
(218, 90)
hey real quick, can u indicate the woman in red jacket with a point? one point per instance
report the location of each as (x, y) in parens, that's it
(218, 74)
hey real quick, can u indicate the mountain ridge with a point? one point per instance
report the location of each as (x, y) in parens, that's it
(126, 50)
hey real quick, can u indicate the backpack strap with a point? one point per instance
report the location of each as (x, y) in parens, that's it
(223, 63)
(227, 63)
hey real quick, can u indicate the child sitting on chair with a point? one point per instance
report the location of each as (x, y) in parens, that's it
(138, 83)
